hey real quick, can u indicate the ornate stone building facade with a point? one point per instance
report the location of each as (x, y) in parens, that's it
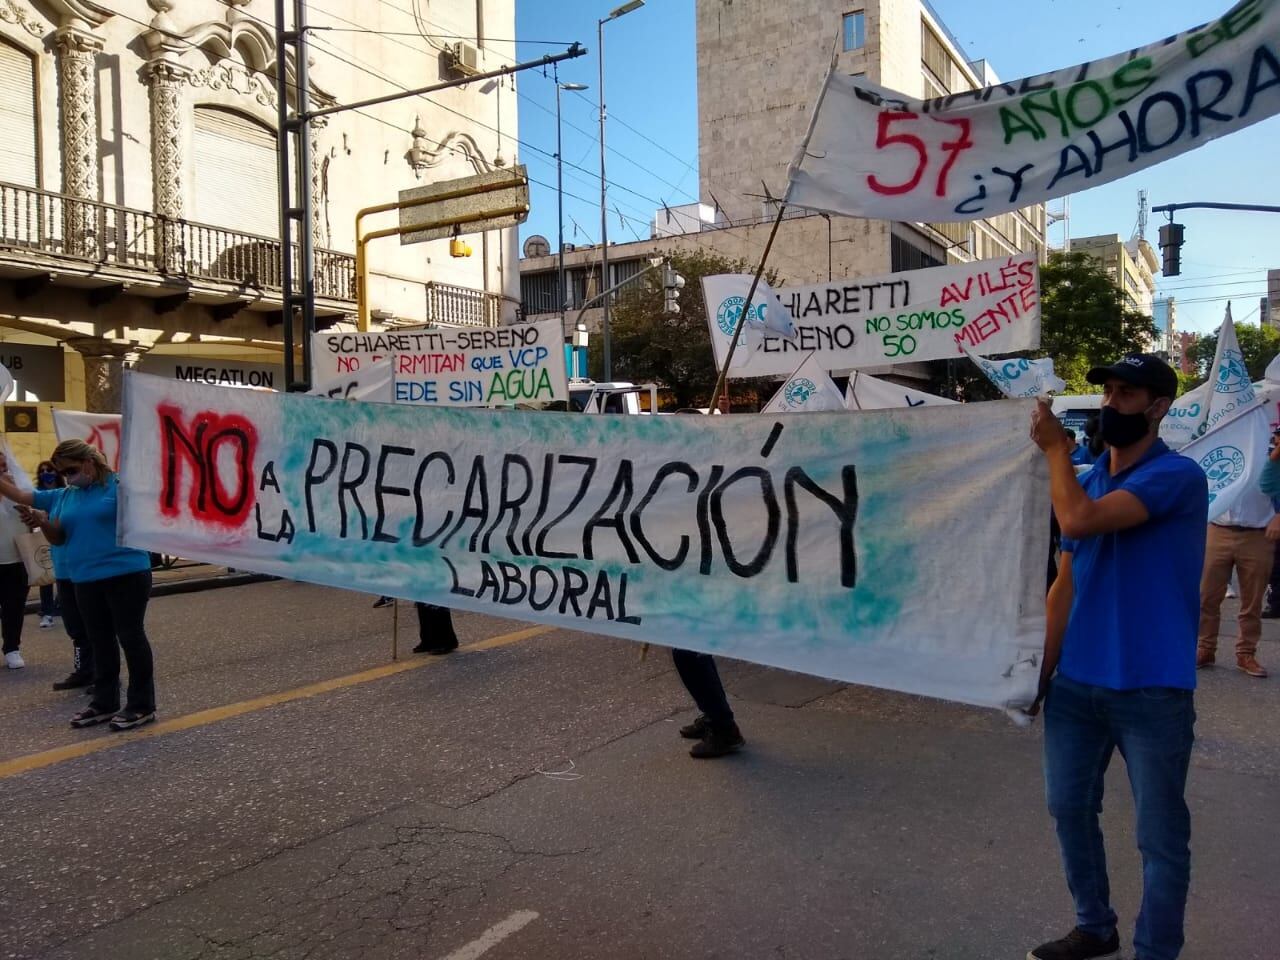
(138, 186)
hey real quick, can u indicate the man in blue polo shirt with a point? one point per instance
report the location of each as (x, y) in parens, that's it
(1121, 625)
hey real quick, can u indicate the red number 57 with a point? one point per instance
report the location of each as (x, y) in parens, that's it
(884, 139)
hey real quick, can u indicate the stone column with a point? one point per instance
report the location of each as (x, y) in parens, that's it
(78, 104)
(165, 81)
(104, 366)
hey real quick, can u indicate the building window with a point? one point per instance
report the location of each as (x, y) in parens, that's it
(236, 177)
(18, 143)
(855, 31)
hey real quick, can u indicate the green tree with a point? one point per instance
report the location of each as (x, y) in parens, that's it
(674, 351)
(1084, 323)
(1259, 345)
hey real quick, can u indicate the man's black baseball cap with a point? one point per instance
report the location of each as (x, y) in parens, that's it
(1142, 370)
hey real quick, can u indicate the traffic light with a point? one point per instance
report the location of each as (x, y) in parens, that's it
(672, 284)
(1171, 247)
(459, 248)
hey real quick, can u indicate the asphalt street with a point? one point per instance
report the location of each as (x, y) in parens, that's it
(529, 797)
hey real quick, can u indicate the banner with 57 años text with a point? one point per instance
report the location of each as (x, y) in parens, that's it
(874, 152)
(991, 305)
(810, 543)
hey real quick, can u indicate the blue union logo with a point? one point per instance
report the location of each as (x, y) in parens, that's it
(1232, 373)
(1223, 466)
(799, 391)
(731, 309)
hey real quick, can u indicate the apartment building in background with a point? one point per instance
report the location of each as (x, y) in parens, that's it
(139, 214)
(1164, 312)
(1132, 263)
(760, 67)
(1269, 305)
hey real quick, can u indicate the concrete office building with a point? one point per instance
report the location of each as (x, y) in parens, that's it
(139, 188)
(1133, 264)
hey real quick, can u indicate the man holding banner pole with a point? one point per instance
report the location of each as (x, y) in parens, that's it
(1121, 623)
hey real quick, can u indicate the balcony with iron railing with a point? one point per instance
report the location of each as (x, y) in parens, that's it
(106, 235)
(453, 306)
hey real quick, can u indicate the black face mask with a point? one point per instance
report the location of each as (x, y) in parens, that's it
(1122, 429)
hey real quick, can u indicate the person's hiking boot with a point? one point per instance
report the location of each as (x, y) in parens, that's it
(718, 742)
(1078, 945)
(128, 719)
(91, 716)
(1251, 666)
(1204, 658)
(437, 648)
(73, 681)
(696, 730)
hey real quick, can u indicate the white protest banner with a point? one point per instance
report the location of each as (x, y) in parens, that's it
(6, 383)
(876, 153)
(809, 543)
(101, 430)
(1232, 458)
(913, 315)
(454, 366)
(1186, 417)
(1019, 377)
(871, 393)
(808, 390)
(372, 384)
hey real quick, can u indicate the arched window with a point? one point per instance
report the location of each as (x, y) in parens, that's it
(19, 162)
(236, 177)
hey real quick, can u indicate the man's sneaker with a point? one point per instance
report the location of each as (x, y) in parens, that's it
(128, 719)
(1078, 945)
(91, 716)
(1204, 658)
(1271, 613)
(383, 602)
(13, 660)
(718, 743)
(1252, 667)
(696, 730)
(46, 622)
(73, 681)
(436, 649)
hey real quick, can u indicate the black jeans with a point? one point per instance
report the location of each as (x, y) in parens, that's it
(48, 602)
(113, 610)
(699, 675)
(435, 625)
(13, 603)
(73, 623)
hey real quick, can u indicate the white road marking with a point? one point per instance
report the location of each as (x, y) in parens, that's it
(494, 936)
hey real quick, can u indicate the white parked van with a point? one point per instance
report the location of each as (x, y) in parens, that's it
(1074, 409)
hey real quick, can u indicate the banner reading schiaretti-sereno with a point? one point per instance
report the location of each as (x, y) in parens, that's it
(810, 543)
(992, 306)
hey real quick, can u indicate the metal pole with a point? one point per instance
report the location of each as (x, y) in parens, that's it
(283, 184)
(746, 307)
(306, 239)
(606, 330)
(560, 210)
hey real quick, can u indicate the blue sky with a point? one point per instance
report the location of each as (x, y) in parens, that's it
(651, 87)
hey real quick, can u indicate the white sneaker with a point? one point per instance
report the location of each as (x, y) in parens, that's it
(13, 660)
(46, 621)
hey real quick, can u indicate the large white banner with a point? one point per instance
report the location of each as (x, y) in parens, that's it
(812, 543)
(871, 393)
(101, 430)
(454, 366)
(873, 152)
(868, 322)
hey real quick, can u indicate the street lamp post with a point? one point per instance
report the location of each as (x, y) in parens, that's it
(564, 293)
(626, 8)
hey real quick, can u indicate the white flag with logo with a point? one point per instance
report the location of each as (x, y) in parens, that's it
(1019, 377)
(1186, 417)
(808, 390)
(872, 393)
(1232, 458)
(729, 291)
(1233, 391)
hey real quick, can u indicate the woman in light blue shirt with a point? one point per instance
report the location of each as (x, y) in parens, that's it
(112, 583)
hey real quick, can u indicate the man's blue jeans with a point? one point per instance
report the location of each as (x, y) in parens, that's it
(1153, 728)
